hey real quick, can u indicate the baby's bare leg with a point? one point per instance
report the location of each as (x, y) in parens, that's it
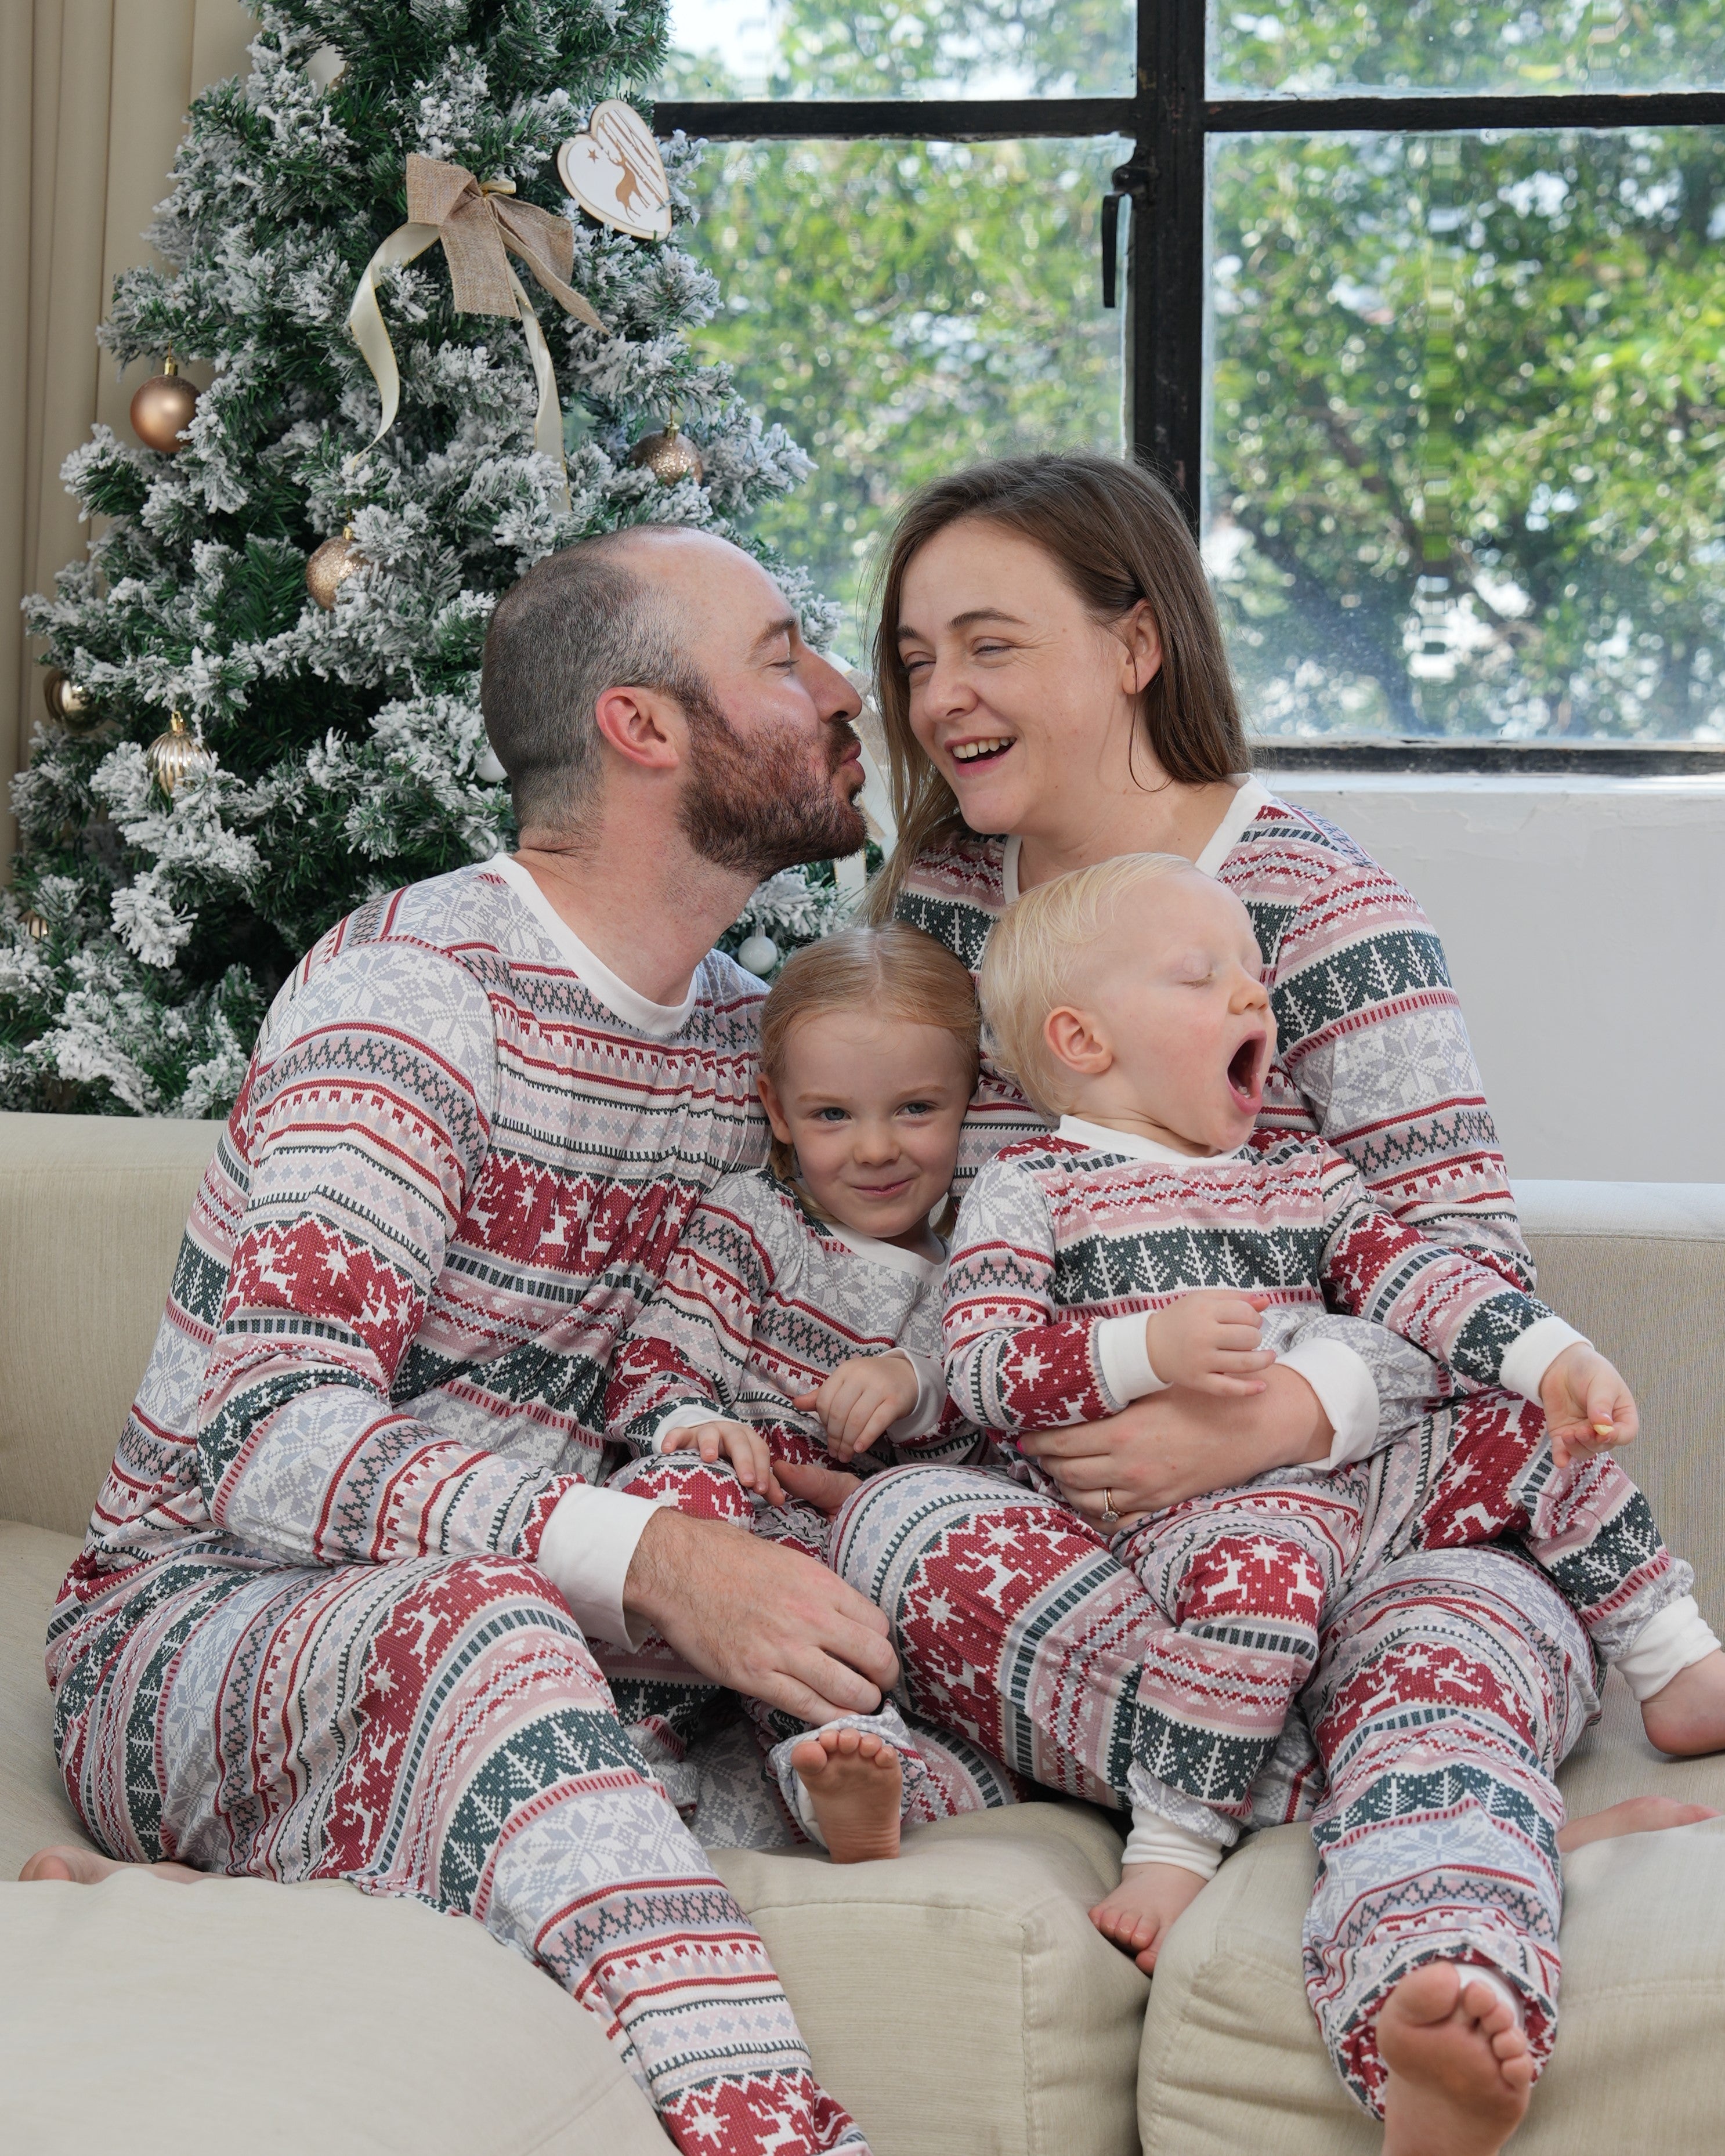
(66, 1862)
(1460, 2070)
(856, 1785)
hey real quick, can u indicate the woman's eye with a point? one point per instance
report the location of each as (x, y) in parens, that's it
(913, 666)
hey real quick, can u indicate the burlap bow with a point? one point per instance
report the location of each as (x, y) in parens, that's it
(478, 226)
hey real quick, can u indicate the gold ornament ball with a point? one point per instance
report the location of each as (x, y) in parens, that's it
(162, 409)
(66, 701)
(177, 755)
(330, 566)
(670, 456)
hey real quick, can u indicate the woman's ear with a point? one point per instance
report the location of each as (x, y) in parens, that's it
(1143, 640)
(775, 1108)
(1073, 1039)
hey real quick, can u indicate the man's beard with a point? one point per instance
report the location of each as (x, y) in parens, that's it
(756, 806)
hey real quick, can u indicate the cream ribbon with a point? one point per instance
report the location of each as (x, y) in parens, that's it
(477, 222)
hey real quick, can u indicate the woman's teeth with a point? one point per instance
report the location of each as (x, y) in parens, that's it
(980, 752)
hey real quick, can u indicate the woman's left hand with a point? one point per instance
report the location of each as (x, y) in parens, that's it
(1181, 1443)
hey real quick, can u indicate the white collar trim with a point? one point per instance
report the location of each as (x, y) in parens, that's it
(657, 1021)
(882, 1254)
(1249, 799)
(1236, 819)
(1009, 871)
(1103, 1140)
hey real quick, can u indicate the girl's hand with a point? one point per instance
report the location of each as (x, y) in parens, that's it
(864, 1396)
(746, 1449)
(1211, 1341)
(1588, 1407)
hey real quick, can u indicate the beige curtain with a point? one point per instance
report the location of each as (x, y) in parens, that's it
(93, 98)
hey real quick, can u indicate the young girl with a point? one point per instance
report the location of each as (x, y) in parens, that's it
(799, 1318)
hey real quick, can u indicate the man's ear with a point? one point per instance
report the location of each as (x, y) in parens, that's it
(1072, 1038)
(775, 1111)
(1143, 640)
(644, 728)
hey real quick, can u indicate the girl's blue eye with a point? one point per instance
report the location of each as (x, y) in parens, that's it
(829, 1115)
(918, 1108)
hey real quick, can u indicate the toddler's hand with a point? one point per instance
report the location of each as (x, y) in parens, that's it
(864, 1396)
(1208, 1340)
(1588, 1407)
(746, 1449)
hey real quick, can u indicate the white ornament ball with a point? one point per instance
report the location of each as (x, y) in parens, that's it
(487, 767)
(759, 955)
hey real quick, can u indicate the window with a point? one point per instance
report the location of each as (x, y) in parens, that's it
(1422, 310)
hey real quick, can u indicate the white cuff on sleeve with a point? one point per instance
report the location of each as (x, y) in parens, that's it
(1532, 1353)
(1665, 1645)
(1155, 1839)
(1343, 1382)
(931, 1396)
(687, 1417)
(1124, 1357)
(585, 1552)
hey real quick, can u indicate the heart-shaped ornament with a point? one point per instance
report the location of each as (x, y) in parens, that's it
(615, 172)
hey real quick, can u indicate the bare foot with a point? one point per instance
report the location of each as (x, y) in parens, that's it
(1460, 2070)
(1140, 1913)
(82, 1867)
(1688, 1716)
(1634, 1815)
(856, 1784)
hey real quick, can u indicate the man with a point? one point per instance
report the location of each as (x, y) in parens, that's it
(352, 1590)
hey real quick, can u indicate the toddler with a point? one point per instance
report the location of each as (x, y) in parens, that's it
(799, 1318)
(1145, 1243)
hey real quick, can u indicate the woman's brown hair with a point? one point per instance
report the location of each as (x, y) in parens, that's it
(1118, 536)
(893, 969)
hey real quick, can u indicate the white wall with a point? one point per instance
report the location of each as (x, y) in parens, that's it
(1584, 921)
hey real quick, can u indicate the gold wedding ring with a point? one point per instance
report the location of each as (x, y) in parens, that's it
(1109, 1515)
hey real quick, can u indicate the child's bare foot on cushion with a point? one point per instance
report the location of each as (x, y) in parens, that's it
(1140, 1913)
(856, 1784)
(1687, 1717)
(82, 1867)
(1459, 2069)
(1634, 1815)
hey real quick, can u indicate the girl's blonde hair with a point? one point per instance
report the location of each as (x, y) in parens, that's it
(895, 969)
(1034, 958)
(1118, 536)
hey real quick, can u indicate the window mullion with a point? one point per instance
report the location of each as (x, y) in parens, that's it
(1165, 277)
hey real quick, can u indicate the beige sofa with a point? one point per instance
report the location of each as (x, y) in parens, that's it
(957, 2000)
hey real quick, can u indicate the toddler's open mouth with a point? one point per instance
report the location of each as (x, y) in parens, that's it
(1244, 1078)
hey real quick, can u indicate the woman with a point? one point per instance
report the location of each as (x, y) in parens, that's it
(1051, 672)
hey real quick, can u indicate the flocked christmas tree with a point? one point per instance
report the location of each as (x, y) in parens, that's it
(145, 930)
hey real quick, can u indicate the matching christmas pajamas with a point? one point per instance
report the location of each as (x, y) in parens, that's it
(758, 1304)
(1016, 1625)
(1066, 1244)
(1449, 1683)
(315, 1630)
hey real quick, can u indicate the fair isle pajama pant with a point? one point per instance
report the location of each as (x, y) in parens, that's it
(439, 1729)
(1448, 1681)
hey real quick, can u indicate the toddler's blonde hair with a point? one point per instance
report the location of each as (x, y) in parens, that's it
(893, 969)
(1035, 959)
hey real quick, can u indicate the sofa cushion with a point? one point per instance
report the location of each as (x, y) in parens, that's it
(33, 1809)
(1231, 2056)
(233, 2015)
(961, 1999)
(92, 1209)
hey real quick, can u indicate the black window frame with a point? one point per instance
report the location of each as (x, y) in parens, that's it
(1169, 117)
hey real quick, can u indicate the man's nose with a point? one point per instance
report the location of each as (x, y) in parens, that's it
(836, 701)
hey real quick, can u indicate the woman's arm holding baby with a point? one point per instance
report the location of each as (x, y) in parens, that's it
(1184, 1443)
